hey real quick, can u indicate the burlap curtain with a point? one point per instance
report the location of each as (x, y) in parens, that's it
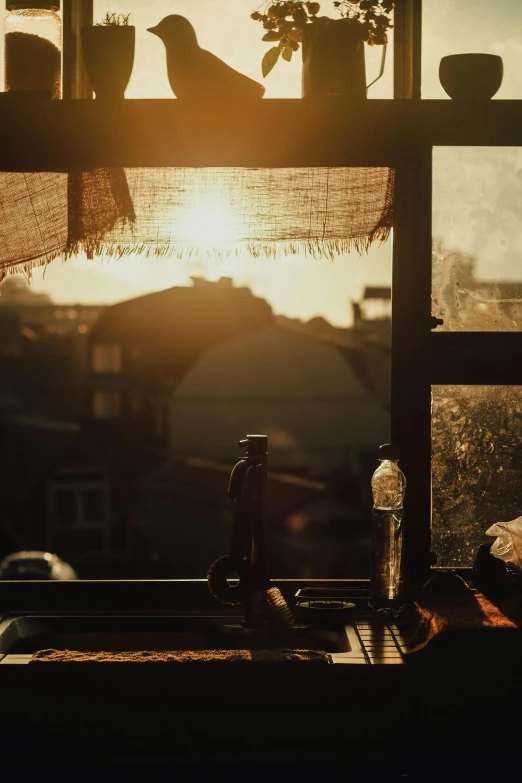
(187, 211)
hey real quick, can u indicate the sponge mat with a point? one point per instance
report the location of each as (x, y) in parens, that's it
(181, 656)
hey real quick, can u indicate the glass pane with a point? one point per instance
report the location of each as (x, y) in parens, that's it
(106, 359)
(231, 35)
(476, 466)
(477, 238)
(224, 27)
(460, 26)
(297, 348)
(308, 397)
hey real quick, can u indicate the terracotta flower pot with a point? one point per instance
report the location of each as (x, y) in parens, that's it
(471, 76)
(108, 53)
(333, 59)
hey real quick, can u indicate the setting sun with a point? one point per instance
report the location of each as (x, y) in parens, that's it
(211, 222)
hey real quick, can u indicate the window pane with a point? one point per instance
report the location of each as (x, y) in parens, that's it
(477, 238)
(476, 466)
(224, 27)
(228, 33)
(106, 359)
(323, 426)
(460, 26)
(297, 348)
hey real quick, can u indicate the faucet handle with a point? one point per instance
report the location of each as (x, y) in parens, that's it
(237, 479)
(257, 445)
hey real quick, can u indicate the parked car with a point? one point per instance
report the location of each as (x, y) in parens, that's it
(35, 565)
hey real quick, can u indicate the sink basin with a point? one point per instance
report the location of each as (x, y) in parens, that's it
(22, 636)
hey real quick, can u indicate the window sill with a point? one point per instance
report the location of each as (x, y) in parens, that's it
(64, 135)
(162, 596)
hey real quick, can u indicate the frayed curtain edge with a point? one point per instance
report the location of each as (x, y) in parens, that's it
(320, 248)
(27, 265)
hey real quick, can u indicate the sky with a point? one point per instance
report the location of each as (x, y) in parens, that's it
(296, 286)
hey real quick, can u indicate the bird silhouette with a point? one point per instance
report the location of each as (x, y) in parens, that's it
(195, 73)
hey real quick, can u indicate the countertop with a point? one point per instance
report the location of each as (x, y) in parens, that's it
(444, 715)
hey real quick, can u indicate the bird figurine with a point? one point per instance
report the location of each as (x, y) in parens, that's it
(195, 73)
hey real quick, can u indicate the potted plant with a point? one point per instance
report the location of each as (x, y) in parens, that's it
(332, 49)
(108, 51)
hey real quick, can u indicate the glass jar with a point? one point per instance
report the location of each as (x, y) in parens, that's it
(33, 43)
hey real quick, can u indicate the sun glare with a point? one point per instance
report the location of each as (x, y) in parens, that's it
(211, 222)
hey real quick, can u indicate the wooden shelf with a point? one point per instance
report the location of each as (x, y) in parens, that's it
(62, 135)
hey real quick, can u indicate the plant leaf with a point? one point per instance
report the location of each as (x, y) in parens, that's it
(272, 35)
(269, 60)
(287, 52)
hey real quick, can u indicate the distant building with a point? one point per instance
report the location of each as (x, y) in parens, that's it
(37, 314)
(43, 353)
(183, 520)
(153, 384)
(140, 350)
(301, 392)
(43, 375)
(137, 352)
(372, 315)
(372, 333)
(32, 451)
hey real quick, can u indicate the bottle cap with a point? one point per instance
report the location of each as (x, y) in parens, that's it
(388, 451)
(53, 5)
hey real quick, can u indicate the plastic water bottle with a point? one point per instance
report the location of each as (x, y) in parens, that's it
(386, 571)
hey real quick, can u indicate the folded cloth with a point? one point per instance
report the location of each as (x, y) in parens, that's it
(181, 656)
(47, 214)
(448, 611)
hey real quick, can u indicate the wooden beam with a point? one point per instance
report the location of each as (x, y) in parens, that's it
(60, 135)
(410, 381)
(64, 135)
(475, 358)
(402, 51)
(417, 50)
(444, 343)
(457, 368)
(407, 31)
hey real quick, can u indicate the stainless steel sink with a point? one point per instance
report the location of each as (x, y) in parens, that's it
(28, 634)
(356, 642)
(24, 635)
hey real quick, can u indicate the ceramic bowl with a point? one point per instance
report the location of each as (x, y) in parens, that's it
(471, 76)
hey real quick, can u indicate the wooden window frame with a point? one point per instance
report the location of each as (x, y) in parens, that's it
(165, 133)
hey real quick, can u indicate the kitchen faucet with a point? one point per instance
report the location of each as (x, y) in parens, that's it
(265, 607)
(247, 558)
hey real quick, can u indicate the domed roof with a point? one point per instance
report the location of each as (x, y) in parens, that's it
(300, 392)
(271, 362)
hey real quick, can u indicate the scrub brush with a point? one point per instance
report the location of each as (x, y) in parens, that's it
(280, 618)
